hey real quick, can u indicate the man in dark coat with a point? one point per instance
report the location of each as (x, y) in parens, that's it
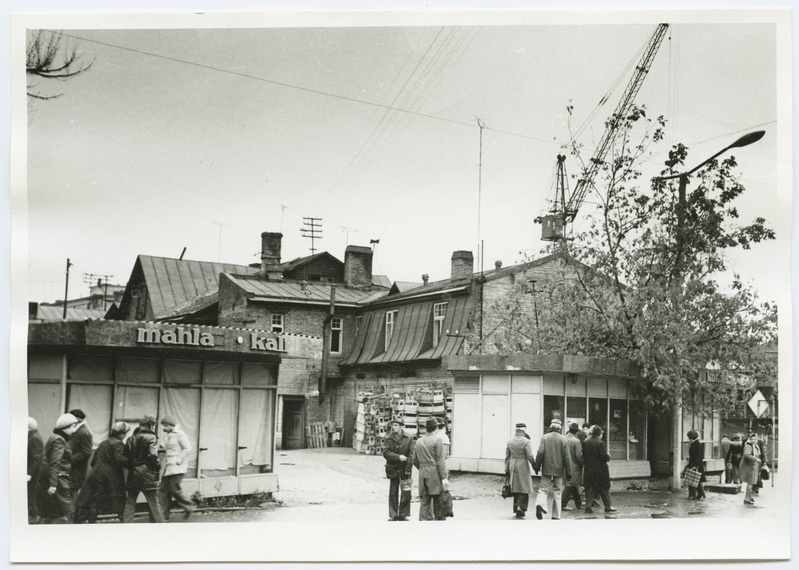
(553, 462)
(57, 501)
(143, 472)
(81, 445)
(518, 461)
(596, 475)
(734, 455)
(428, 458)
(725, 450)
(35, 460)
(397, 451)
(696, 458)
(574, 449)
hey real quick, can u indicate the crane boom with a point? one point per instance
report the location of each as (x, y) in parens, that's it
(554, 225)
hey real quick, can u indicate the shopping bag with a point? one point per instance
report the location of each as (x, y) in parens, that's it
(506, 489)
(446, 504)
(692, 477)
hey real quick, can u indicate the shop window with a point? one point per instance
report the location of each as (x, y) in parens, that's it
(182, 371)
(133, 402)
(617, 430)
(138, 370)
(45, 367)
(439, 312)
(336, 332)
(276, 325)
(553, 408)
(226, 373)
(598, 413)
(258, 374)
(218, 438)
(184, 405)
(575, 409)
(91, 368)
(636, 437)
(256, 419)
(44, 405)
(553, 385)
(95, 401)
(391, 318)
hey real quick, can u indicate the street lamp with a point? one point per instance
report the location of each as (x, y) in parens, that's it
(677, 414)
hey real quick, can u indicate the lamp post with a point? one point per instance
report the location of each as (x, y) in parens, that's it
(676, 432)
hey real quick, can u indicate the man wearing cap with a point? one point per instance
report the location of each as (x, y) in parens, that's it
(57, 501)
(518, 459)
(397, 451)
(574, 449)
(596, 475)
(428, 457)
(81, 444)
(176, 446)
(35, 460)
(143, 472)
(552, 461)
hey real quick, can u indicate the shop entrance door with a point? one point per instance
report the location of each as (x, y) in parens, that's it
(293, 421)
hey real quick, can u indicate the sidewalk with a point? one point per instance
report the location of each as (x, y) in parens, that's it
(332, 484)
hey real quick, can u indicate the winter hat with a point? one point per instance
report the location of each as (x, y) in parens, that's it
(78, 413)
(396, 421)
(168, 420)
(574, 426)
(32, 424)
(431, 424)
(65, 420)
(521, 426)
(556, 423)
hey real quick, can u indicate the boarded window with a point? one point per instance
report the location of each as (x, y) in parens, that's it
(467, 384)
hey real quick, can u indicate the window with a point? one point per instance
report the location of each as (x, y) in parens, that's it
(391, 318)
(357, 324)
(336, 327)
(277, 324)
(439, 312)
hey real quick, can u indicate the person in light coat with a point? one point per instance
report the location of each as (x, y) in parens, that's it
(518, 460)
(552, 461)
(428, 458)
(176, 447)
(750, 467)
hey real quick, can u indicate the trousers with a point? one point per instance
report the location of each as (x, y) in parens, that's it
(151, 495)
(592, 492)
(399, 501)
(170, 488)
(571, 492)
(521, 502)
(549, 495)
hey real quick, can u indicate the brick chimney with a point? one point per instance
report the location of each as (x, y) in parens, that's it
(270, 254)
(358, 266)
(462, 264)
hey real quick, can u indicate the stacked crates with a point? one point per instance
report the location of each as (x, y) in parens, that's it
(412, 409)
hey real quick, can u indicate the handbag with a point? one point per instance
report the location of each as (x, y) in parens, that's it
(445, 509)
(506, 489)
(692, 477)
(765, 473)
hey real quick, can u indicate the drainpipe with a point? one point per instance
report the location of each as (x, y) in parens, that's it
(326, 334)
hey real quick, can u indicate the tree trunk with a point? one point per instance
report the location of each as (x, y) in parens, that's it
(676, 445)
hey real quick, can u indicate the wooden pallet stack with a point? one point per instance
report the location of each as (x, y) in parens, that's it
(315, 435)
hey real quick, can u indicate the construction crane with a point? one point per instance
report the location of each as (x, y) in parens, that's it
(565, 203)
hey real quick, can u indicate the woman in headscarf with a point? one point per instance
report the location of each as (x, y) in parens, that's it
(696, 460)
(104, 490)
(750, 467)
(56, 501)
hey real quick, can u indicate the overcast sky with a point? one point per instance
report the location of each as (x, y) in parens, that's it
(179, 137)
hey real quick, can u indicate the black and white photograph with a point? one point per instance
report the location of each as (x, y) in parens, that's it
(293, 277)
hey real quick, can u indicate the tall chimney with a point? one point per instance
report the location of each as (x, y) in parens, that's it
(358, 266)
(270, 254)
(462, 264)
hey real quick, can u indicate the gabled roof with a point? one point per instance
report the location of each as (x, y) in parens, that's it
(381, 281)
(402, 286)
(173, 282)
(314, 292)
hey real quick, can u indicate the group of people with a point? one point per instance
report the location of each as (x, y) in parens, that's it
(71, 482)
(565, 464)
(428, 454)
(744, 462)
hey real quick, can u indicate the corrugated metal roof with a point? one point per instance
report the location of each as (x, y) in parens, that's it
(56, 313)
(315, 292)
(173, 282)
(412, 338)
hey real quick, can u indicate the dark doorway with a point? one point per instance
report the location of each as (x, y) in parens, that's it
(293, 422)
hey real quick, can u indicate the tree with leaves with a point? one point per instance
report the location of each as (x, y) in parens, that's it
(642, 283)
(49, 55)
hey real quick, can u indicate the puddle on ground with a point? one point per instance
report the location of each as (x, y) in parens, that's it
(660, 515)
(288, 464)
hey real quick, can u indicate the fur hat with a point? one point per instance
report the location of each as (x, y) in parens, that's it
(78, 413)
(65, 420)
(168, 420)
(431, 424)
(32, 424)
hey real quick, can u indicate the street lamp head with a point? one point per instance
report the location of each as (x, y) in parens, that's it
(748, 139)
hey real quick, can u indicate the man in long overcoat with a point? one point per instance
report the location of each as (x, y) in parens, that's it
(428, 458)
(596, 475)
(81, 444)
(57, 501)
(518, 460)
(104, 489)
(397, 451)
(553, 462)
(574, 449)
(35, 461)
